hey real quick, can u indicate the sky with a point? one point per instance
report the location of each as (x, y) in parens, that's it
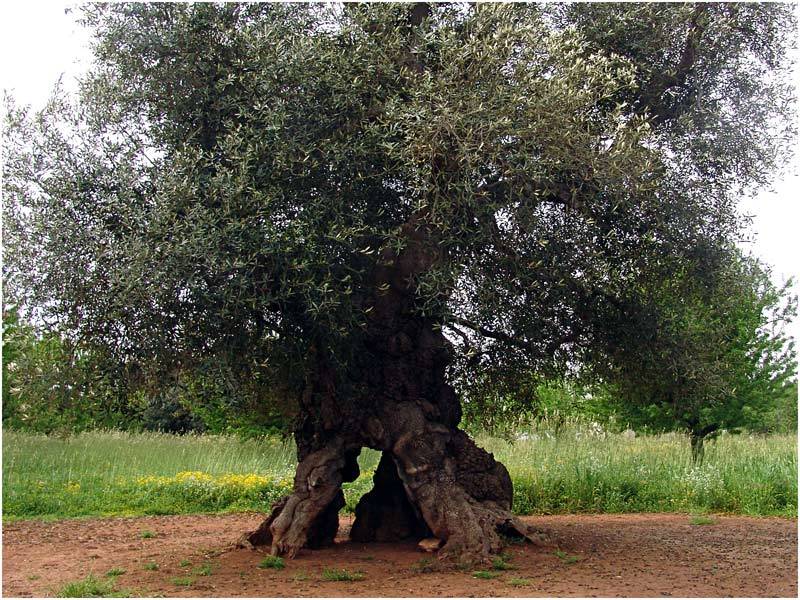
(39, 43)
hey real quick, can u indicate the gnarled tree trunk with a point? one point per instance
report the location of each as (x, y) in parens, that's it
(432, 479)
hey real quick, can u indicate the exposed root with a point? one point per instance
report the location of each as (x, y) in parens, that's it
(262, 536)
(309, 516)
(433, 481)
(463, 494)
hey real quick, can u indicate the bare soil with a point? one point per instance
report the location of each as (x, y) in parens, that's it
(590, 555)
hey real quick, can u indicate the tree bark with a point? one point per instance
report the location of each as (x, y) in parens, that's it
(432, 479)
(698, 449)
(697, 438)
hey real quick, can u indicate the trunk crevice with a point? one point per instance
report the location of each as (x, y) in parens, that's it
(385, 514)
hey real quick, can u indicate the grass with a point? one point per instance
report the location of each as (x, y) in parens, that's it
(575, 471)
(203, 570)
(567, 559)
(115, 572)
(111, 473)
(92, 587)
(519, 582)
(484, 575)
(272, 562)
(185, 563)
(500, 563)
(146, 535)
(184, 581)
(701, 520)
(581, 472)
(151, 566)
(342, 575)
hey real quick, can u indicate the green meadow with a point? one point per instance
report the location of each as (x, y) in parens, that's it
(578, 470)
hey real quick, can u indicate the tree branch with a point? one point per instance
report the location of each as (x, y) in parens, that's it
(652, 98)
(526, 345)
(497, 335)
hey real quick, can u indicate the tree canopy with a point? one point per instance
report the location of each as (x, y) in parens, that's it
(232, 174)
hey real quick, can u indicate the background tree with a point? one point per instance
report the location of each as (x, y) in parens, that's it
(51, 386)
(314, 194)
(718, 356)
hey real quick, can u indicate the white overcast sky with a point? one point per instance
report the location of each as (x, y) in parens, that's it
(40, 43)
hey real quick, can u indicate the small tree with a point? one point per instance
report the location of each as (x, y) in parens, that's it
(719, 355)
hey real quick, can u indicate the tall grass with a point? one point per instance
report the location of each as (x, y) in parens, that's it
(97, 473)
(579, 469)
(584, 469)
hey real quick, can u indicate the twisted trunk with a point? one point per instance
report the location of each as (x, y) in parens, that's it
(432, 479)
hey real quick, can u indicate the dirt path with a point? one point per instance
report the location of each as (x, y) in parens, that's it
(600, 555)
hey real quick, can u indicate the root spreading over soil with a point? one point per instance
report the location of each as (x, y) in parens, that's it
(590, 555)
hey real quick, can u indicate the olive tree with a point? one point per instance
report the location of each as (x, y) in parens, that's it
(718, 354)
(341, 199)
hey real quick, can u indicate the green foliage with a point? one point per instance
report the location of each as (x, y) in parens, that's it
(49, 385)
(782, 416)
(15, 340)
(721, 128)
(231, 177)
(509, 407)
(718, 356)
(210, 398)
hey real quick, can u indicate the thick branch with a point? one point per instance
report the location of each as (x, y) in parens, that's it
(522, 344)
(652, 99)
(497, 335)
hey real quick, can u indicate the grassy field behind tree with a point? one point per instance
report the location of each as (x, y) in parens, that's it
(581, 469)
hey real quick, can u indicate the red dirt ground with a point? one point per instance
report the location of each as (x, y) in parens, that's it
(616, 555)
